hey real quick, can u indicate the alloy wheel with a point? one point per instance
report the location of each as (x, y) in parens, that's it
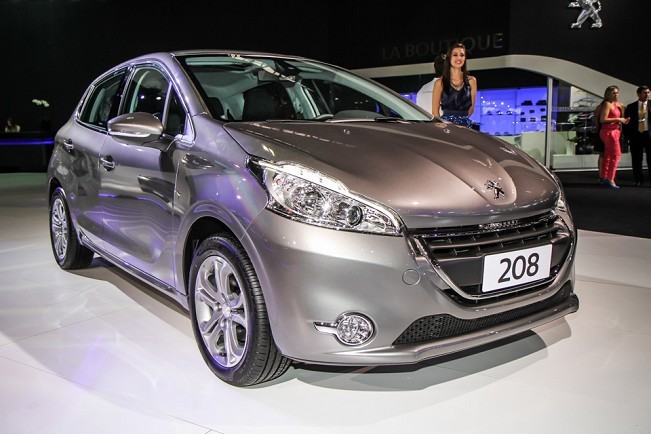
(221, 311)
(59, 225)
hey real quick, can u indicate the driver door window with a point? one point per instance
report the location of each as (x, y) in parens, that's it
(148, 92)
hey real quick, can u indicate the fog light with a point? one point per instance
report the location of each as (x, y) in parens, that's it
(349, 328)
(354, 329)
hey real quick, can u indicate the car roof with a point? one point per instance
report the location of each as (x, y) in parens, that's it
(220, 52)
(168, 55)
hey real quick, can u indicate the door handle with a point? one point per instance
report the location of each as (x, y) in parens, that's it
(107, 162)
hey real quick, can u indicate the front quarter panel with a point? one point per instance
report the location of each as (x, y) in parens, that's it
(213, 183)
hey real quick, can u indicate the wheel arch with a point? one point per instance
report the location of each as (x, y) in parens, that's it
(52, 185)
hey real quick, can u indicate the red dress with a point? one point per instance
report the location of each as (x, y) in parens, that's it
(609, 134)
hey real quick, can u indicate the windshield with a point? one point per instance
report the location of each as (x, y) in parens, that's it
(247, 88)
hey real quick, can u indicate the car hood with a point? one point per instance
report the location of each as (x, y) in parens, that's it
(432, 174)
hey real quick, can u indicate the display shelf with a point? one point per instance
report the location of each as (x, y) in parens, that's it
(510, 112)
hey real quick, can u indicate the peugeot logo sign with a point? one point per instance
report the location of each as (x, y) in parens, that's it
(589, 10)
(498, 191)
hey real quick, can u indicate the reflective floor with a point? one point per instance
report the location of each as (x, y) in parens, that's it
(96, 351)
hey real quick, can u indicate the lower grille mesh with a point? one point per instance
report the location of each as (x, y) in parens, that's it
(435, 327)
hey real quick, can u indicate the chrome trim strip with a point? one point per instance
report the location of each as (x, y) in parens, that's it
(522, 223)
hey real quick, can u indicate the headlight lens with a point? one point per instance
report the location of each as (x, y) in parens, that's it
(561, 205)
(312, 197)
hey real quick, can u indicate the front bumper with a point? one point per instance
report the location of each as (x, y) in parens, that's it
(310, 275)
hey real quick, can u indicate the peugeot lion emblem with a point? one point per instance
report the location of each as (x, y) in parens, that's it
(589, 9)
(498, 191)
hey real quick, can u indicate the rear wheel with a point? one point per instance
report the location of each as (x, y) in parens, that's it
(68, 251)
(229, 317)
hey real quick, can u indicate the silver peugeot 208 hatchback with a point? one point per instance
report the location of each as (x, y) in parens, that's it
(303, 213)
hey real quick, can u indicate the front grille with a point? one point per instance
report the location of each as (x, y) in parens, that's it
(460, 251)
(435, 327)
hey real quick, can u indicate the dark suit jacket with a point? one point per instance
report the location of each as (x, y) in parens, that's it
(631, 112)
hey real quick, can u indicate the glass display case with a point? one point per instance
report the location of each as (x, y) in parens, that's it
(573, 126)
(519, 116)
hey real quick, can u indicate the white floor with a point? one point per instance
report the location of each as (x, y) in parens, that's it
(97, 352)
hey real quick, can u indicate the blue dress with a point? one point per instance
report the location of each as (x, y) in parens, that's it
(455, 104)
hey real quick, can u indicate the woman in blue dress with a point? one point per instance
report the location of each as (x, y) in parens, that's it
(454, 94)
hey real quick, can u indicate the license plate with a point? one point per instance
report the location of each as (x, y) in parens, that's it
(504, 270)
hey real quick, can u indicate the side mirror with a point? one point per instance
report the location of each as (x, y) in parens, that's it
(135, 128)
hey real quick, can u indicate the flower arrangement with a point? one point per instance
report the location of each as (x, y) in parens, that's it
(41, 103)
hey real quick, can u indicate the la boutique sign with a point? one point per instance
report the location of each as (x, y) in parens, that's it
(494, 41)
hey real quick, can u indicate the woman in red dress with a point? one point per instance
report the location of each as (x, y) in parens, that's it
(611, 121)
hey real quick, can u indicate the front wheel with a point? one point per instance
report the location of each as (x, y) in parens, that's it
(68, 251)
(229, 317)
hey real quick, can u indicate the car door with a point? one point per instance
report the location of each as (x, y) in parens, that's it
(137, 181)
(82, 141)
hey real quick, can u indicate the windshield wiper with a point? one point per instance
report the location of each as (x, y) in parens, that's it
(391, 119)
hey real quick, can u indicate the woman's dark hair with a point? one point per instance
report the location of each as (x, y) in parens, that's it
(445, 77)
(439, 64)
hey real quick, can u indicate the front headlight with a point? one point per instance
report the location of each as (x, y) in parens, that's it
(561, 204)
(308, 196)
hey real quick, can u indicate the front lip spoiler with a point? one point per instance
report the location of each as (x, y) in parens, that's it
(415, 353)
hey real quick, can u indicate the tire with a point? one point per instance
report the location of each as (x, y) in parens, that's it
(229, 317)
(67, 250)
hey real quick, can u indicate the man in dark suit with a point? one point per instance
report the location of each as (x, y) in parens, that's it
(637, 132)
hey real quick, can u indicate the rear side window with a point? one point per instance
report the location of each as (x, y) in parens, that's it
(103, 101)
